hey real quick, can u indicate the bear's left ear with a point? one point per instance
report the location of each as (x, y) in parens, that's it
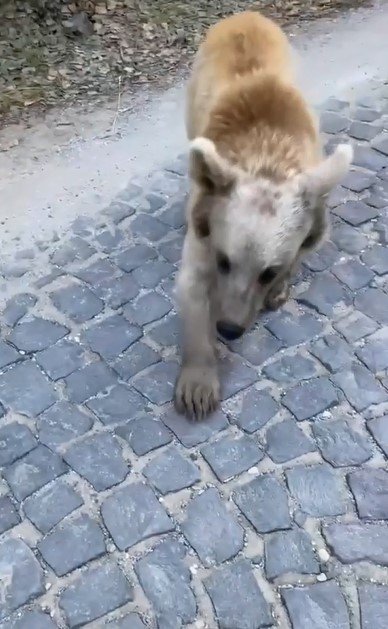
(320, 180)
(208, 168)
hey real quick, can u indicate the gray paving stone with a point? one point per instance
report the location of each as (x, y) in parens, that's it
(118, 211)
(370, 490)
(15, 441)
(310, 398)
(33, 471)
(88, 381)
(61, 359)
(130, 621)
(373, 303)
(353, 274)
(340, 444)
(373, 605)
(366, 157)
(170, 471)
(264, 503)
(48, 279)
(118, 291)
(134, 257)
(289, 552)
(206, 517)
(366, 115)
(379, 429)
(144, 434)
(61, 423)
(119, 405)
(72, 544)
(24, 389)
(334, 104)
(380, 143)
(150, 274)
(381, 227)
(33, 619)
(235, 376)
(26, 581)
(136, 358)
(157, 383)
(100, 271)
(324, 294)
(165, 580)
(322, 259)
(156, 201)
(363, 131)
(349, 239)
(377, 259)
(321, 605)
(290, 368)
(319, 490)
(174, 216)
(99, 459)
(258, 407)
(109, 240)
(257, 346)
(167, 332)
(333, 352)
(47, 507)
(293, 330)
(376, 200)
(17, 307)
(36, 334)
(148, 308)
(112, 336)
(76, 249)
(191, 433)
(148, 227)
(247, 608)
(333, 123)
(360, 387)
(171, 249)
(132, 514)
(358, 542)
(78, 302)
(357, 181)
(9, 517)
(355, 326)
(8, 354)
(230, 456)
(356, 212)
(374, 354)
(94, 593)
(286, 441)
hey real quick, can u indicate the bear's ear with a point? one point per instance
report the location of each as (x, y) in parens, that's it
(320, 180)
(208, 169)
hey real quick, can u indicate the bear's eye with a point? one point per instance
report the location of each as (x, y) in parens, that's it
(223, 263)
(268, 275)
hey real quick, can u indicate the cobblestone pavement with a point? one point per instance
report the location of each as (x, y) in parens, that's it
(115, 512)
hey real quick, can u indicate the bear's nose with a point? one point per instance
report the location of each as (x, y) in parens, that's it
(230, 331)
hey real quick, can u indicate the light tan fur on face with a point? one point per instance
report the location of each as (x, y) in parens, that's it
(258, 188)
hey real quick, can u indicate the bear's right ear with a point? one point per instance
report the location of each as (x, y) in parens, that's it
(208, 169)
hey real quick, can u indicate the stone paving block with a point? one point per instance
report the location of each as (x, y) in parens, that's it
(380, 143)
(117, 292)
(150, 274)
(286, 441)
(355, 326)
(78, 302)
(247, 608)
(36, 334)
(94, 593)
(165, 580)
(363, 131)
(333, 123)
(191, 433)
(324, 294)
(99, 459)
(356, 180)
(235, 376)
(25, 580)
(15, 441)
(360, 387)
(24, 389)
(9, 517)
(62, 423)
(45, 280)
(119, 405)
(72, 544)
(373, 303)
(134, 257)
(157, 383)
(293, 330)
(131, 621)
(366, 115)
(112, 336)
(109, 241)
(100, 271)
(61, 359)
(310, 398)
(174, 216)
(144, 434)
(33, 619)
(349, 239)
(258, 407)
(356, 542)
(289, 552)
(118, 211)
(8, 354)
(264, 503)
(33, 471)
(17, 307)
(136, 358)
(366, 157)
(257, 346)
(74, 250)
(356, 213)
(333, 352)
(231, 456)
(290, 368)
(319, 490)
(171, 249)
(170, 471)
(373, 605)
(47, 507)
(148, 227)
(88, 381)
(322, 259)
(340, 444)
(133, 514)
(147, 308)
(376, 200)
(377, 259)
(379, 429)
(155, 201)
(334, 104)
(370, 490)
(321, 605)
(167, 332)
(374, 354)
(353, 274)
(206, 517)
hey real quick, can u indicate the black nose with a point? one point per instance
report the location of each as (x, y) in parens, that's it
(230, 331)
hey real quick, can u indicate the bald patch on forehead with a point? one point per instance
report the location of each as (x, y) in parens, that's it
(267, 203)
